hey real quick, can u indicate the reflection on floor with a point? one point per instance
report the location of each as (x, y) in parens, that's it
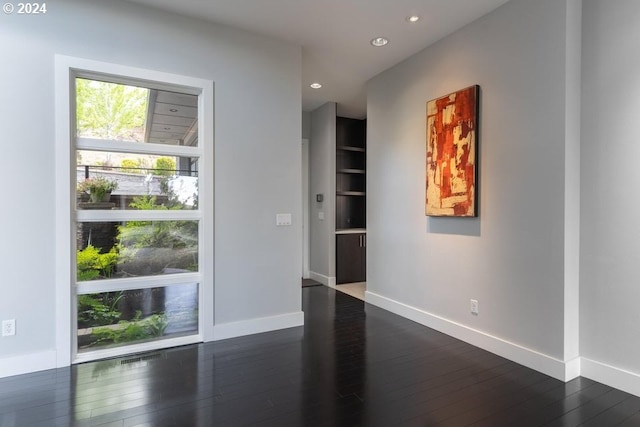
(351, 364)
(354, 289)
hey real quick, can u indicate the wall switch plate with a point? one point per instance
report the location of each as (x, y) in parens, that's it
(283, 219)
(8, 327)
(321, 216)
(474, 306)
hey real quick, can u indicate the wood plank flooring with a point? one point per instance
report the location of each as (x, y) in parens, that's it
(351, 365)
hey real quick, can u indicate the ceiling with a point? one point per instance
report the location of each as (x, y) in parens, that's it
(335, 35)
(172, 118)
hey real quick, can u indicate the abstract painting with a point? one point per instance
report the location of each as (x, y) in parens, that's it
(452, 134)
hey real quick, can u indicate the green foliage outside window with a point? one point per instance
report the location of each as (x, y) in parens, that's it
(131, 166)
(98, 310)
(151, 245)
(165, 166)
(110, 110)
(159, 234)
(158, 244)
(91, 264)
(135, 330)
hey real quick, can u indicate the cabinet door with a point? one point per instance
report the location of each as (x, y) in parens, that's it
(350, 258)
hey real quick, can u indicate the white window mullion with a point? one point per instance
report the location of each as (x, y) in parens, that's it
(121, 76)
(111, 285)
(136, 348)
(137, 215)
(137, 147)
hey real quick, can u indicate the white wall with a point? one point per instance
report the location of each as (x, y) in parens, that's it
(512, 257)
(257, 156)
(610, 232)
(322, 168)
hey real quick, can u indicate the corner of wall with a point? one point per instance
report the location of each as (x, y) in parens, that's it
(573, 40)
(255, 326)
(329, 281)
(322, 181)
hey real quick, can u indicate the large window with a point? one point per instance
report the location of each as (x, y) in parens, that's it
(138, 238)
(120, 129)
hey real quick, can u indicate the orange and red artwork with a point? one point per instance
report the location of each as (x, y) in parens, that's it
(452, 125)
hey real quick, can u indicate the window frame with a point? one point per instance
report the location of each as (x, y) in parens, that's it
(67, 216)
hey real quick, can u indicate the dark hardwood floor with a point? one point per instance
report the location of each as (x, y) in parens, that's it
(351, 365)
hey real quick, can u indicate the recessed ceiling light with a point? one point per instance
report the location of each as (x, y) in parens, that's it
(173, 110)
(413, 18)
(379, 41)
(315, 85)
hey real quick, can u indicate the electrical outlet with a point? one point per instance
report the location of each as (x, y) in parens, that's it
(283, 219)
(8, 327)
(474, 306)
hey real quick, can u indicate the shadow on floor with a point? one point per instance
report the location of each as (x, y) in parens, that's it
(307, 283)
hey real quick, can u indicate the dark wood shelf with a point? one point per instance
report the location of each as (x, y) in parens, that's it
(350, 193)
(351, 148)
(356, 171)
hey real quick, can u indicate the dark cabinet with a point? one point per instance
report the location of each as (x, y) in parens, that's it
(351, 260)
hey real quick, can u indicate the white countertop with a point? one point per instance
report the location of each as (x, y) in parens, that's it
(352, 231)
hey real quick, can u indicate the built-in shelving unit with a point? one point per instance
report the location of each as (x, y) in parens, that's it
(351, 173)
(351, 185)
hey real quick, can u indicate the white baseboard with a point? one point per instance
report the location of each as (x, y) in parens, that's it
(325, 280)
(614, 377)
(548, 365)
(26, 363)
(611, 376)
(255, 326)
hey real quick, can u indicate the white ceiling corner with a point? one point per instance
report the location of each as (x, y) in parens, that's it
(335, 34)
